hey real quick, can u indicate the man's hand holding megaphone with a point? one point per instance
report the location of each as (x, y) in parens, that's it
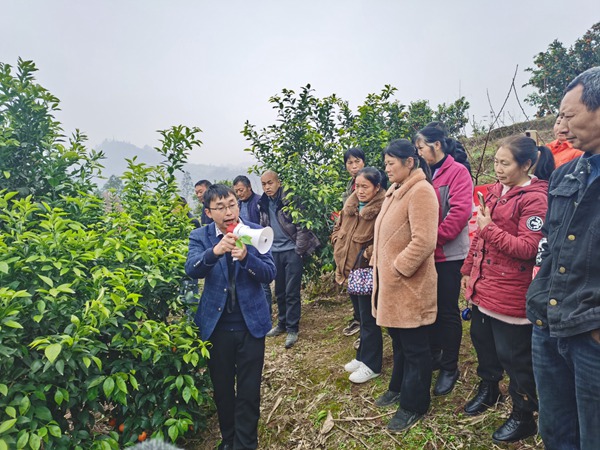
(260, 238)
(229, 244)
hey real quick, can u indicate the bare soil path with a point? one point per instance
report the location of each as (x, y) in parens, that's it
(309, 403)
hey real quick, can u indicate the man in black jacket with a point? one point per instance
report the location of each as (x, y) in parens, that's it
(291, 244)
(563, 301)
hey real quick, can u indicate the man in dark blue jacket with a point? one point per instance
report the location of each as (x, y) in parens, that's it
(563, 301)
(247, 199)
(200, 188)
(233, 314)
(249, 212)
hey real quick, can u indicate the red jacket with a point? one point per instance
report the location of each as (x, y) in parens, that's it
(563, 152)
(502, 254)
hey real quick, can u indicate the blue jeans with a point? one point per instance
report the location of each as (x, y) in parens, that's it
(567, 372)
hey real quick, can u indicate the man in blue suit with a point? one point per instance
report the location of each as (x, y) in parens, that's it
(233, 314)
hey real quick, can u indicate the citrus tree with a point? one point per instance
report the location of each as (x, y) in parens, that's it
(558, 66)
(96, 348)
(305, 146)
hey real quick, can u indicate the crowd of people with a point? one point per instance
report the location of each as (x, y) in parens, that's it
(530, 274)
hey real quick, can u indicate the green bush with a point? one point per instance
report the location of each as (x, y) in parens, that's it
(558, 66)
(306, 145)
(92, 323)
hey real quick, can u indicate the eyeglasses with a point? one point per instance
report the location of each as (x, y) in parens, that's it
(232, 208)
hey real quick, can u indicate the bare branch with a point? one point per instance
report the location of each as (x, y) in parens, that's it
(487, 137)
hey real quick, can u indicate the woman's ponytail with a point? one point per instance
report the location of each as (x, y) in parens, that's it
(545, 163)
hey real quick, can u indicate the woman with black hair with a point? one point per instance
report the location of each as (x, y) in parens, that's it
(354, 160)
(454, 189)
(352, 240)
(455, 148)
(496, 275)
(404, 280)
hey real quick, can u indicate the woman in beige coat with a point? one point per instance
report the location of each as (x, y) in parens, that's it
(404, 290)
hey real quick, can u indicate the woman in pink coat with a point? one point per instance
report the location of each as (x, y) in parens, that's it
(454, 188)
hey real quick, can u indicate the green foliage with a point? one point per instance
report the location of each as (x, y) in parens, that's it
(305, 147)
(91, 319)
(558, 66)
(33, 159)
(454, 116)
(114, 184)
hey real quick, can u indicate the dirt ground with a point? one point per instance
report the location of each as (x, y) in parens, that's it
(309, 403)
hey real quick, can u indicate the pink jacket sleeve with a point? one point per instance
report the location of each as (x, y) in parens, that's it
(461, 205)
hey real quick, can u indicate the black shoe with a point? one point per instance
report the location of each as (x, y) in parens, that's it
(436, 360)
(520, 425)
(224, 446)
(403, 420)
(445, 382)
(387, 399)
(352, 328)
(488, 394)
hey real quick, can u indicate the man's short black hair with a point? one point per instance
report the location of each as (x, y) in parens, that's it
(204, 183)
(242, 179)
(216, 192)
(590, 80)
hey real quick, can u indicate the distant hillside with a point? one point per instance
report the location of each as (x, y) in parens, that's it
(116, 153)
(482, 148)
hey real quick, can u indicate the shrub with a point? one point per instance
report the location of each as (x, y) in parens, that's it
(558, 66)
(306, 144)
(92, 323)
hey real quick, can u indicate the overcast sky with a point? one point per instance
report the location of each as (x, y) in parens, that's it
(124, 69)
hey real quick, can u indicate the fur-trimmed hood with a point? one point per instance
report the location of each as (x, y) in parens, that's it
(353, 231)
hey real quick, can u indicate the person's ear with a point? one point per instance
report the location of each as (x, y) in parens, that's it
(208, 213)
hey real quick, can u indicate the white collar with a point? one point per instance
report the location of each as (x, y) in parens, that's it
(218, 232)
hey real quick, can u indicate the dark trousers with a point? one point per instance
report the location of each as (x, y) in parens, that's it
(235, 366)
(411, 375)
(501, 347)
(446, 332)
(370, 351)
(267, 288)
(356, 307)
(567, 371)
(287, 289)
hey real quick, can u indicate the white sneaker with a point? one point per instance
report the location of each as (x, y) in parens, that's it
(352, 366)
(363, 374)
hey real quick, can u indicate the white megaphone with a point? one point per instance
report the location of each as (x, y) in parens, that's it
(261, 238)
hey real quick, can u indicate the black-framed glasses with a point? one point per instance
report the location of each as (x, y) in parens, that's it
(232, 208)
